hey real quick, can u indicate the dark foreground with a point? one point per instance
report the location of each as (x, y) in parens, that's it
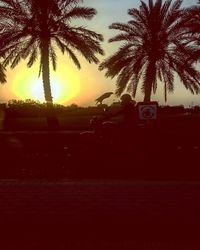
(99, 215)
(66, 190)
(145, 154)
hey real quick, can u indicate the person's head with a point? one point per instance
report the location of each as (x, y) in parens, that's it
(126, 99)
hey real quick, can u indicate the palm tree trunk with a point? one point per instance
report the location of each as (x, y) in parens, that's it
(52, 120)
(149, 81)
(46, 72)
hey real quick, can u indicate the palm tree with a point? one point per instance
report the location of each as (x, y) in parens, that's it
(153, 49)
(32, 29)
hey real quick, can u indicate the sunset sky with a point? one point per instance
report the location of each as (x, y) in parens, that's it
(82, 87)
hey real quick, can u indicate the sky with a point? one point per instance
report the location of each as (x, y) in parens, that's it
(82, 87)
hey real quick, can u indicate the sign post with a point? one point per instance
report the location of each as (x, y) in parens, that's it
(148, 114)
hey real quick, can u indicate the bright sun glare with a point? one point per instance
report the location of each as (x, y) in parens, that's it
(65, 85)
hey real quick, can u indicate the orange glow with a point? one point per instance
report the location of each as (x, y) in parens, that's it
(65, 85)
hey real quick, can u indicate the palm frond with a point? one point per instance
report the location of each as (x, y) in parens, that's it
(80, 12)
(40, 68)
(8, 58)
(15, 61)
(73, 57)
(84, 44)
(2, 74)
(134, 38)
(121, 26)
(133, 84)
(122, 81)
(89, 33)
(32, 58)
(60, 44)
(53, 57)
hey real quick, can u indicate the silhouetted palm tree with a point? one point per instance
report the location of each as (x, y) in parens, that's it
(153, 49)
(33, 28)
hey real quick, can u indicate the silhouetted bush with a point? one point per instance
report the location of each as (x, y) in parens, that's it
(31, 108)
(172, 109)
(27, 108)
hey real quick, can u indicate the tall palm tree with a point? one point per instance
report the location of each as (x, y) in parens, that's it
(32, 29)
(153, 49)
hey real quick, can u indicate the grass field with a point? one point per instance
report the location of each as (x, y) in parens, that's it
(39, 123)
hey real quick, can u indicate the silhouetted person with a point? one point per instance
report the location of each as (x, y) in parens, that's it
(128, 125)
(128, 111)
(110, 130)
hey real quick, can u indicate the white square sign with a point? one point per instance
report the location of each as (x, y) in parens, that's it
(147, 111)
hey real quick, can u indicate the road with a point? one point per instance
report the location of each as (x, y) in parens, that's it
(99, 214)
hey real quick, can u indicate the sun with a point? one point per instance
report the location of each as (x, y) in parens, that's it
(36, 89)
(65, 85)
(62, 90)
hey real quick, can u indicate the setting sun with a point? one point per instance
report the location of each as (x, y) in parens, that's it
(65, 85)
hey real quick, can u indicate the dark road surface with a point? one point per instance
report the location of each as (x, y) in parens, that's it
(40, 214)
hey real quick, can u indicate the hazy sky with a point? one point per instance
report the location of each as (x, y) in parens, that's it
(85, 85)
